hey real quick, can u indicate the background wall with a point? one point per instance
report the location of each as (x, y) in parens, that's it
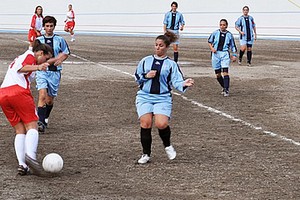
(275, 19)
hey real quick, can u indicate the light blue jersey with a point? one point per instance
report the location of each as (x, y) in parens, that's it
(246, 24)
(175, 24)
(58, 44)
(222, 42)
(154, 95)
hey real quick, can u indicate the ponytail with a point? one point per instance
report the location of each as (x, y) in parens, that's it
(168, 38)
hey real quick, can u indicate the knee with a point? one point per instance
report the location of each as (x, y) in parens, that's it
(161, 125)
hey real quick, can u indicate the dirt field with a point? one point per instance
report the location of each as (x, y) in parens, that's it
(245, 146)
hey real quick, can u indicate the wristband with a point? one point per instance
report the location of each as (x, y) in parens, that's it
(234, 55)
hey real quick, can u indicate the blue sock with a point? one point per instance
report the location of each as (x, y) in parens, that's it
(226, 82)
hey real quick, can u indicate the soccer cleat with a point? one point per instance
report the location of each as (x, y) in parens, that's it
(226, 93)
(240, 61)
(170, 152)
(72, 40)
(47, 122)
(248, 64)
(41, 127)
(144, 159)
(22, 171)
(223, 91)
(34, 165)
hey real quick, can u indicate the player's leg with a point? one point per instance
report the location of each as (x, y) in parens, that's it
(145, 136)
(162, 113)
(176, 54)
(242, 51)
(19, 144)
(249, 54)
(226, 81)
(216, 65)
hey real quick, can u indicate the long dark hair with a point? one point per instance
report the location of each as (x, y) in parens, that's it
(38, 8)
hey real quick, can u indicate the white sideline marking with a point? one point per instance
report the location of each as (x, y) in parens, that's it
(210, 109)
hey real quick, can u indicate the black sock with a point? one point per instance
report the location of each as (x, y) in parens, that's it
(226, 82)
(48, 110)
(42, 114)
(241, 54)
(249, 56)
(221, 81)
(176, 56)
(165, 135)
(146, 140)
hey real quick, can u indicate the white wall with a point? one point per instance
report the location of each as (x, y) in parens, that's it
(276, 19)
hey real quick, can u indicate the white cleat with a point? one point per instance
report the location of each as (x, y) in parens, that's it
(144, 159)
(170, 152)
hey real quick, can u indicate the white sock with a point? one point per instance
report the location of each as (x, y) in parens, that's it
(31, 143)
(20, 148)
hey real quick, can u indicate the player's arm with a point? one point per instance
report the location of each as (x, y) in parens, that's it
(59, 59)
(32, 68)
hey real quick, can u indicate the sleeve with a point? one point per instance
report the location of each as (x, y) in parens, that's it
(182, 19)
(33, 20)
(232, 44)
(177, 78)
(140, 72)
(64, 46)
(166, 19)
(238, 23)
(211, 38)
(17, 65)
(253, 23)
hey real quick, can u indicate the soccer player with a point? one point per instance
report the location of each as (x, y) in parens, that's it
(35, 26)
(48, 81)
(18, 104)
(156, 75)
(174, 22)
(70, 22)
(246, 27)
(220, 42)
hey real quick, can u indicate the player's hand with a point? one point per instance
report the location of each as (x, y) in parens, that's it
(151, 74)
(42, 67)
(213, 50)
(188, 82)
(58, 62)
(242, 33)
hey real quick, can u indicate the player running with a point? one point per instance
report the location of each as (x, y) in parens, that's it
(220, 42)
(18, 104)
(48, 81)
(70, 22)
(35, 26)
(156, 75)
(174, 22)
(246, 27)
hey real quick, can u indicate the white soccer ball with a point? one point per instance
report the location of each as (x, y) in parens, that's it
(53, 163)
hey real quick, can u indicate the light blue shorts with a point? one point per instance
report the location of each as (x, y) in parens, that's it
(49, 80)
(220, 59)
(247, 43)
(153, 103)
(176, 32)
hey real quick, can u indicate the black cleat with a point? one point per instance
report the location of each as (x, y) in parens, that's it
(22, 171)
(34, 166)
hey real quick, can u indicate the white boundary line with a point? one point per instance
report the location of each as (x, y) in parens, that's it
(209, 109)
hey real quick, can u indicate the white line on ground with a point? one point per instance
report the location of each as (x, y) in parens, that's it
(209, 109)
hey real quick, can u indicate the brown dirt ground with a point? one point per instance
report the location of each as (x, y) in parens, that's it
(94, 127)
